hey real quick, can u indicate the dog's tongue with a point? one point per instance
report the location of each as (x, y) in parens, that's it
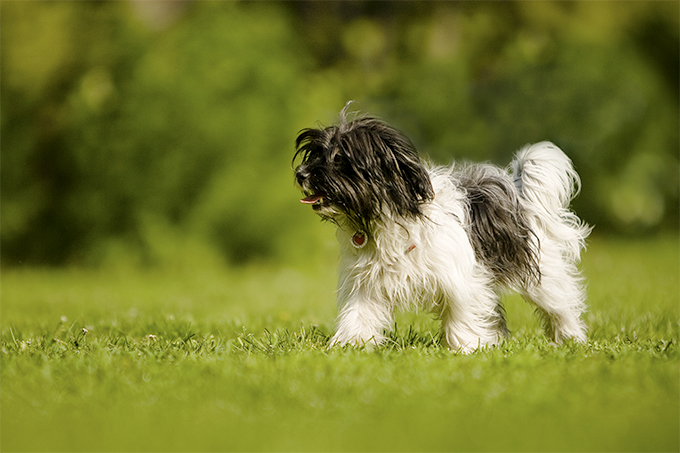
(311, 199)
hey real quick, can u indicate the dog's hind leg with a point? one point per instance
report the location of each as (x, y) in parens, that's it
(559, 297)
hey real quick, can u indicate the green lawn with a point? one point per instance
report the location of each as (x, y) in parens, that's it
(237, 360)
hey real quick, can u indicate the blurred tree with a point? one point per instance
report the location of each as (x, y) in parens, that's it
(156, 131)
(138, 127)
(478, 80)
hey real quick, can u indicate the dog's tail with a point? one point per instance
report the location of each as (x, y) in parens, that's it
(547, 182)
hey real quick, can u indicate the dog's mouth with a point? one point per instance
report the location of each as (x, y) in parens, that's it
(321, 205)
(316, 199)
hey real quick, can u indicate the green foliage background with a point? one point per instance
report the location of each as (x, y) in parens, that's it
(152, 133)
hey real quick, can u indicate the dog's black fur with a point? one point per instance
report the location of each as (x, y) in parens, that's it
(498, 229)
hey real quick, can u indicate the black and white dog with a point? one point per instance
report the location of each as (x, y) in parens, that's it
(448, 239)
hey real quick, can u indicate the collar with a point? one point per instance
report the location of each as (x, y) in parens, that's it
(360, 239)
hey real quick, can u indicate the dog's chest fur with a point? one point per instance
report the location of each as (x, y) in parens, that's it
(403, 258)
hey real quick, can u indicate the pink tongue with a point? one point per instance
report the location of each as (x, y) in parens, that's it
(311, 199)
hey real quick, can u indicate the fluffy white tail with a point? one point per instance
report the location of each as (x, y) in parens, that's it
(547, 182)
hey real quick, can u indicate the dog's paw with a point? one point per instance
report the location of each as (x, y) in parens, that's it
(340, 340)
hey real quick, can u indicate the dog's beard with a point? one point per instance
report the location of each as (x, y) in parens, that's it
(321, 204)
(336, 198)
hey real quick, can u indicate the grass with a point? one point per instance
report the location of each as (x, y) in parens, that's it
(219, 360)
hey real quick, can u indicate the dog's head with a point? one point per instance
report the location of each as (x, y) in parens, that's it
(360, 169)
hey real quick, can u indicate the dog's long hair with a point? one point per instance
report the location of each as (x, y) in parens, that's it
(476, 229)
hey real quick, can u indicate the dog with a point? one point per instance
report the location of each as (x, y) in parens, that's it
(451, 240)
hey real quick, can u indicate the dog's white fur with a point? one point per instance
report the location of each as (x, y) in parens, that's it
(430, 263)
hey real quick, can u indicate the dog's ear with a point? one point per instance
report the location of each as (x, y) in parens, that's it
(416, 187)
(394, 167)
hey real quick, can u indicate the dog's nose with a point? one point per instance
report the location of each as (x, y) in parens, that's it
(301, 174)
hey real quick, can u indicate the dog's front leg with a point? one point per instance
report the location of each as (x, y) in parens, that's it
(362, 320)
